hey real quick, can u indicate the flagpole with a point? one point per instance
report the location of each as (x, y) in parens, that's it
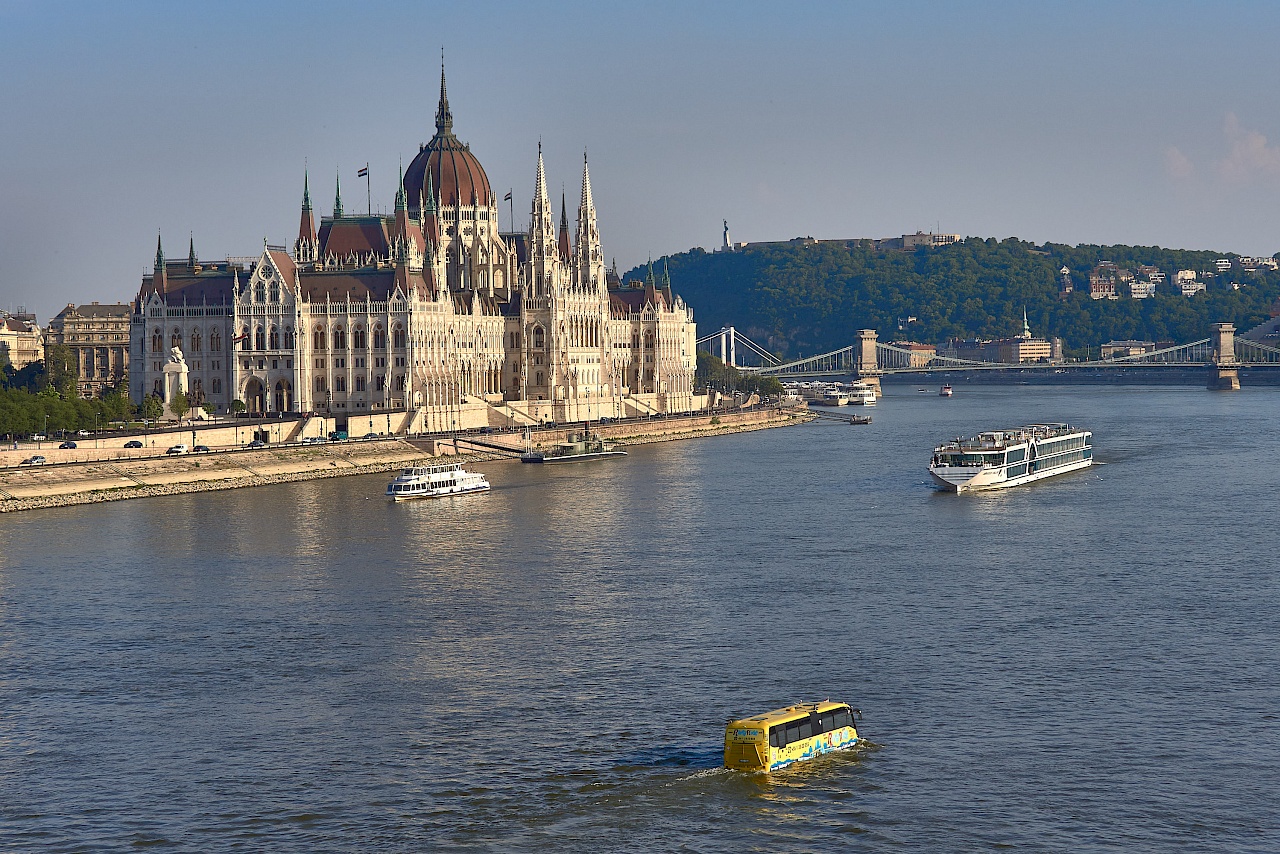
(511, 206)
(368, 194)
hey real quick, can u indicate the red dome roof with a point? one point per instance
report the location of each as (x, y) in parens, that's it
(445, 167)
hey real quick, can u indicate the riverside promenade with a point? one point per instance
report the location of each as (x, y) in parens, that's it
(152, 474)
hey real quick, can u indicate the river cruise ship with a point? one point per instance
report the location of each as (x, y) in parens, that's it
(861, 394)
(1004, 458)
(776, 739)
(436, 482)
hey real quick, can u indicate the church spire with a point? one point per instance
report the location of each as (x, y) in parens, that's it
(542, 224)
(337, 196)
(305, 248)
(563, 244)
(444, 118)
(159, 253)
(191, 252)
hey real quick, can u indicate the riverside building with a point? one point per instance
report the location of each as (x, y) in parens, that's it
(430, 312)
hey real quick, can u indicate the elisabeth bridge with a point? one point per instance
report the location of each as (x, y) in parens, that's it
(868, 359)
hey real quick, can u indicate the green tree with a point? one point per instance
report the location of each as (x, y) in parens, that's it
(237, 406)
(179, 405)
(152, 407)
(60, 370)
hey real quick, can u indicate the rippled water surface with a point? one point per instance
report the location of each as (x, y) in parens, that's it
(1088, 663)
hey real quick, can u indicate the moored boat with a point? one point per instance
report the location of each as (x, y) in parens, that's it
(776, 739)
(438, 481)
(861, 394)
(1003, 458)
(578, 447)
(860, 419)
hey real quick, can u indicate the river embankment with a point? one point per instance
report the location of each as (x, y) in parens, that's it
(35, 487)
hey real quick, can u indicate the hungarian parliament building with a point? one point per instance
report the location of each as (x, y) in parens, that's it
(427, 312)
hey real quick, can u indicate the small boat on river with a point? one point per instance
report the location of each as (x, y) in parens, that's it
(577, 447)
(945, 391)
(860, 419)
(436, 482)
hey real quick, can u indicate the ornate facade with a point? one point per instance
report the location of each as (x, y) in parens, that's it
(427, 309)
(98, 337)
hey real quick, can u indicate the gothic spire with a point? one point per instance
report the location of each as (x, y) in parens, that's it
(401, 200)
(587, 202)
(191, 252)
(159, 253)
(337, 196)
(564, 229)
(444, 118)
(306, 191)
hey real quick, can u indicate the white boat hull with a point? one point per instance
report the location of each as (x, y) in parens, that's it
(969, 479)
(439, 493)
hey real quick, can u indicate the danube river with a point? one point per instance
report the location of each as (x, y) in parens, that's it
(1089, 663)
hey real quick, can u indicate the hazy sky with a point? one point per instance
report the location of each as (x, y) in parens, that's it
(1115, 122)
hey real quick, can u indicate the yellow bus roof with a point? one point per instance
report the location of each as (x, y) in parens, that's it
(788, 713)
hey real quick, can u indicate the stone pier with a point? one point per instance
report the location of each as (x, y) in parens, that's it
(865, 363)
(1224, 370)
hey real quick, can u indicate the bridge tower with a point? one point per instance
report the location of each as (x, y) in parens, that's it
(1224, 369)
(866, 365)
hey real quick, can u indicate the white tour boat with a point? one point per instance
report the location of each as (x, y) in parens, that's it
(861, 394)
(1004, 458)
(436, 482)
(945, 391)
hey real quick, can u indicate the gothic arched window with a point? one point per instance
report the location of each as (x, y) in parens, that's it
(339, 338)
(215, 340)
(195, 341)
(398, 338)
(357, 338)
(318, 339)
(379, 338)
(273, 339)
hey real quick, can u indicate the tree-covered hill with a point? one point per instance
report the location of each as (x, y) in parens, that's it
(801, 298)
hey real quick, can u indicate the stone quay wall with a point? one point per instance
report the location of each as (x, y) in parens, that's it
(95, 480)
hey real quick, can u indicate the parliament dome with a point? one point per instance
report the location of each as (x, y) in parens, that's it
(445, 167)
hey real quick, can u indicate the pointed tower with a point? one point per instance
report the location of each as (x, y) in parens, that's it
(337, 196)
(542, 234)
(305, 248)
(161, 276)
(191, 252)
(1026, 327)
(563, 242)
(589, 260)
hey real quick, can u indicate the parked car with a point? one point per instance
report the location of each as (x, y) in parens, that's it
(83, 433)
(256, 443)
(39, 437)
(67, 446)
(178, 450)
(315, 440)
(37, 460)
(200, 449)
(133, 443)
(371, 435)
(338, 435)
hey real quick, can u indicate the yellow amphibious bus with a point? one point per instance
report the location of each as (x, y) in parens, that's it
(774, 739)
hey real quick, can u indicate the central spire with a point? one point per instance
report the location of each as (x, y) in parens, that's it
(444, 118)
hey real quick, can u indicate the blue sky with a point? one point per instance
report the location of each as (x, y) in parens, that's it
(1146, 123)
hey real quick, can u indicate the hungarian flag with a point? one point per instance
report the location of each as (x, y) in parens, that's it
(363, 173)
(507, 197)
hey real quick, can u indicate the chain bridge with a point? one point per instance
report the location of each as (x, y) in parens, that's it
(868, 359)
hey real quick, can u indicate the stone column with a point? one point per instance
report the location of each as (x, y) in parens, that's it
(1224, 369)
(865, 362)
